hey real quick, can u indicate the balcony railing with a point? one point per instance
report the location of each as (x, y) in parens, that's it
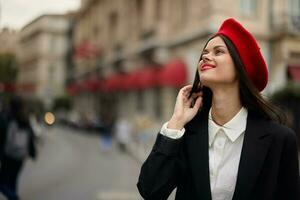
(285, 23)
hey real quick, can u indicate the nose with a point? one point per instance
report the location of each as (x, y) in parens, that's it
(206, 57)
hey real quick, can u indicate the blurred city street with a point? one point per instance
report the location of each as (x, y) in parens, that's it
(71, 166)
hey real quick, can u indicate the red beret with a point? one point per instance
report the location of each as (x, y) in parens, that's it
(248, 51)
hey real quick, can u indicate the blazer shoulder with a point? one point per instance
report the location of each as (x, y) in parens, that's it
(279, 130)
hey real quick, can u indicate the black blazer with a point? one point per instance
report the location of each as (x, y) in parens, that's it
(268, 167)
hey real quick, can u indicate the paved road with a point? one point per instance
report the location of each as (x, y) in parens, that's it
(71, 166)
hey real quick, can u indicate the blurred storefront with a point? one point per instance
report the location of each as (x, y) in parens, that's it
(132, 56)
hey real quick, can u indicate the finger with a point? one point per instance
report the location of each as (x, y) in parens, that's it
(197, 103)
(185, 89)
(184, 98)
(189, 100)
(187, 86)
(193, 99)
(187, 92)
(197, 95)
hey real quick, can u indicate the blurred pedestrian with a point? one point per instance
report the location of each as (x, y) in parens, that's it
(17, 144)
(224, 140)
(123, 133)
(106, 133)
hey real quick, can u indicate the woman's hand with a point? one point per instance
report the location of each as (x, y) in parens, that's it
(184, 111)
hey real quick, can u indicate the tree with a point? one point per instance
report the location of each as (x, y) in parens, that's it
(8, 68)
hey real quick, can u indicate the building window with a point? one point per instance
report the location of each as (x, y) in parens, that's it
(52, 43)
(295, 12)
(158, 10)
(183, 12)
(248, 7)
(140, 13)
(113, 23)
(295, 7)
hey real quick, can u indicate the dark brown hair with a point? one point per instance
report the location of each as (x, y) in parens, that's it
(249, 94)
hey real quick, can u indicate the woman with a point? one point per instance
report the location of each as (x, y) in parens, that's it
(223, 140)
(17, 144)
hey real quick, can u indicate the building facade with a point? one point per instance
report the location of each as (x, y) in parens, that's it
(42, 56)
(9, 41)
(128, 53)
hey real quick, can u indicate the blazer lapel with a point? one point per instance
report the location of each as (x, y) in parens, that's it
(197, 150)
(254, 151)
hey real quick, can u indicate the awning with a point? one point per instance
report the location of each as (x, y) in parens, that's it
(90, 85)
(100, 84)
(174, 74)
(147, 78)
(7, 87)
(26, 87)
(114, 82)
(129, 81)
(294, 72)
(74, 88)
(140, 79)
(70, 90)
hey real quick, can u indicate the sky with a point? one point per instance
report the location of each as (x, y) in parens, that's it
(15, 14)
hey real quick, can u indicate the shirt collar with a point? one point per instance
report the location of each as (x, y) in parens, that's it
(233, 128)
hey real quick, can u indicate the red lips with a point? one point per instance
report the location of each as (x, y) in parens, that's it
(206, 66)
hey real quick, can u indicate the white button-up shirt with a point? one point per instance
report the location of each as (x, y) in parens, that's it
(225, 146)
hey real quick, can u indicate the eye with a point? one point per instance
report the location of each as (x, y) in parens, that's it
(219, 51)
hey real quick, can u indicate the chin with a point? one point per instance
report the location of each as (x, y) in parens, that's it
(207, 79)
(206, 83)
(211, 82)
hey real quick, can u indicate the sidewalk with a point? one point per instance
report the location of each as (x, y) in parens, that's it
(140, 150)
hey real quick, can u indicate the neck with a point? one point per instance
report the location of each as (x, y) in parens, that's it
(226, 104)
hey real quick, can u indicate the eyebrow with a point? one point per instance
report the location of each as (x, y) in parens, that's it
(215, 47)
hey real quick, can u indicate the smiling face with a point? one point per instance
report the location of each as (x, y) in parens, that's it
(216, 66)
